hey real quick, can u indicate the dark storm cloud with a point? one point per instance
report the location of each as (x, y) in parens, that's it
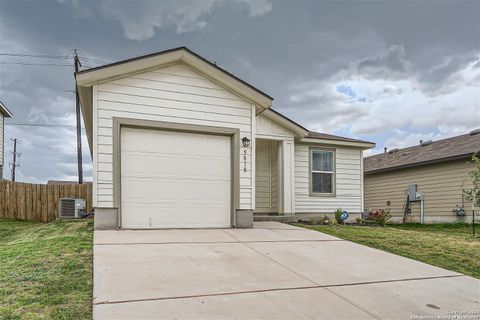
(415, 63)
(390, 64)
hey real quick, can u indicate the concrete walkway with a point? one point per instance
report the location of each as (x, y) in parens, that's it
(275, 271)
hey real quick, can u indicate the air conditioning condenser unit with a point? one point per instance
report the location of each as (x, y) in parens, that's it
(71, 208)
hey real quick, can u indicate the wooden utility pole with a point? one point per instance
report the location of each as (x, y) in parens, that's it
(79, 124)
(13, 164)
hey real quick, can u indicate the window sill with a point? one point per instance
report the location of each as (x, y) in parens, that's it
(322, 195)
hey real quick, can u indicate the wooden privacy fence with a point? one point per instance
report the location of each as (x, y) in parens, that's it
(38, 202)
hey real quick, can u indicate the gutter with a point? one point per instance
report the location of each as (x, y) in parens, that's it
(363, 145)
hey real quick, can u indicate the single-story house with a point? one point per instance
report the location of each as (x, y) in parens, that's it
(178, 142)
(4, 113)
(439, 169)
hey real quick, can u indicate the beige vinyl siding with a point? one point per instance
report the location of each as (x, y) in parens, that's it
(274, 176)
(2, 133)
(262, 177)
(266, 178)
(270, 129)
(280, 139)
(348, 186)
(441, 183)
(175, 93)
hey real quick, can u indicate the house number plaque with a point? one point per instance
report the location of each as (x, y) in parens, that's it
(245, 160)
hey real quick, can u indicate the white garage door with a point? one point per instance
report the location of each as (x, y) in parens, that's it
(174, 179)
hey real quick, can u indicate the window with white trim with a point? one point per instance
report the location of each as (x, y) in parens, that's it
(322, 168)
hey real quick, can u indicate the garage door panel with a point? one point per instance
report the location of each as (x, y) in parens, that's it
(170, 142)
(135, 140)
(171, 216)
(174, 180)
(144, 190)
(189, 168)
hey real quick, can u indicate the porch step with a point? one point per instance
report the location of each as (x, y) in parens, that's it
(277, 218)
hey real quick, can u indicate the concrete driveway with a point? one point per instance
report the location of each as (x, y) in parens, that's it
(275, 271)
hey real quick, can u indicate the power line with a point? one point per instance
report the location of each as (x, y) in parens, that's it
(29, 143)
(45, 64)
(46, 56)
(51, 92)
(49, 56)
(53, 148)
(37, 64)
(86, 59)
(40, 125)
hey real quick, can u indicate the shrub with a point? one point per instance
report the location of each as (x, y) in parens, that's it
(338, 214)
(359, 220)
(380, 216)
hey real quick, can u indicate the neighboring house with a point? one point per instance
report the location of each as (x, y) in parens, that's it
(4, 113)
(440, 170)
(178, 142)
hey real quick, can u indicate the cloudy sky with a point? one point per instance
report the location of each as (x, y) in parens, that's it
(392, 72)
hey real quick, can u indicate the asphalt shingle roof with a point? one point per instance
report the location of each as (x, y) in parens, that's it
(325, 136)
(457, 147)
(319, 135)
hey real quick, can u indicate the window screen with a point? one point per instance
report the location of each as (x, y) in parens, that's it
(322, 166)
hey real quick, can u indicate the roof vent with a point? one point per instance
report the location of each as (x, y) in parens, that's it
(393, 151)
(426, 143)
(474, 132)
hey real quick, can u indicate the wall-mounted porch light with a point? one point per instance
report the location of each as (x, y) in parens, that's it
(246, 142)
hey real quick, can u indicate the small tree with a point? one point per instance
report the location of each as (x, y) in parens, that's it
(473, 193)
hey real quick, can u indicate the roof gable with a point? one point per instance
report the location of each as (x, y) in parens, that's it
(177, 78)
(273, 122)
(88, 78)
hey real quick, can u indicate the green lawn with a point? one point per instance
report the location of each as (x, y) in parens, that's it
(46, 269)
(448, 246)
